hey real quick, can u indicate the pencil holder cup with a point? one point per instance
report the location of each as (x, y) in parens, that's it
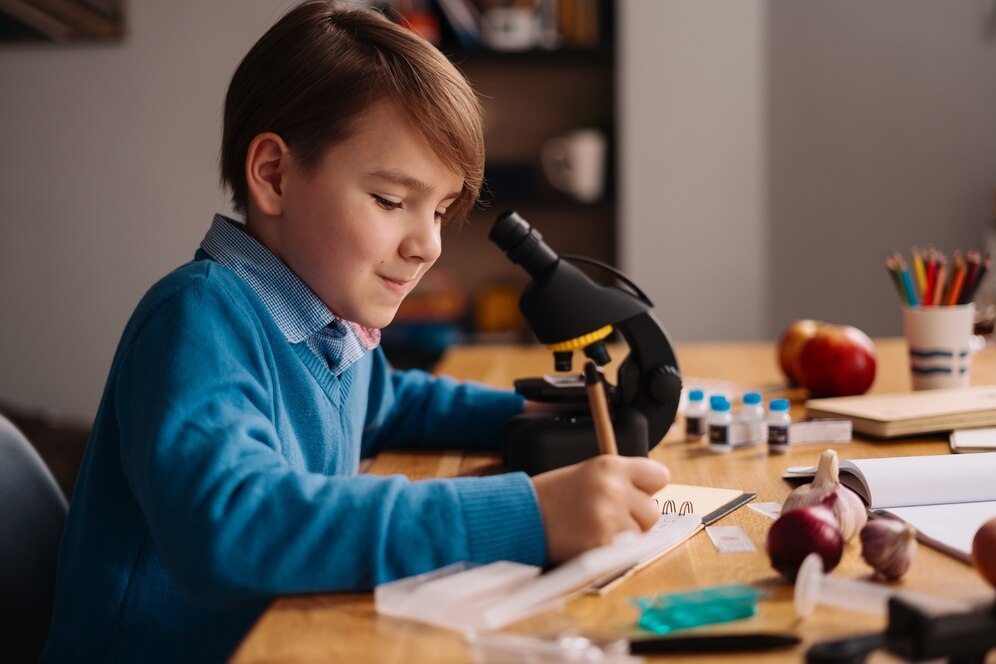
(939, 341)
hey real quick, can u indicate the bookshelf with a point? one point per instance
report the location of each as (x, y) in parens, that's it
(530, 95)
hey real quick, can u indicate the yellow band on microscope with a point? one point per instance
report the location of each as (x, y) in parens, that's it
(582, 341)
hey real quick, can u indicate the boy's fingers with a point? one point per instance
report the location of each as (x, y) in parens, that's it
(634, 525)
(648, 475)
(644, 511)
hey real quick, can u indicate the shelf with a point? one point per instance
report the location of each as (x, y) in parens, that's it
(601, 55)
(560, 206)
(530, 31)
(529, 97)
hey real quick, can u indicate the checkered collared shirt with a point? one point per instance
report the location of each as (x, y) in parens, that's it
(296, 309)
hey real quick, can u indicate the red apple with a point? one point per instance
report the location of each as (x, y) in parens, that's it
(984, 551)
(838, 361)
(790, 346)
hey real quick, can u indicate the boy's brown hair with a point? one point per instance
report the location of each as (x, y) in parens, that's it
(322, 65)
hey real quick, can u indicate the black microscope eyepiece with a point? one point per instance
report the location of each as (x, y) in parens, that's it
(523, 244)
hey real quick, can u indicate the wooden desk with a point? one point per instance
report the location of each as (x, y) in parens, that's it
(344, 627)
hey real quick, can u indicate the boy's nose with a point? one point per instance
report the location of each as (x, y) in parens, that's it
(424, 243)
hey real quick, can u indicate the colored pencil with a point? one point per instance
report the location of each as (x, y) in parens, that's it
(942, 272)
(918, 268)
(983, 268)
(911, 297)
(893, 267)
(972, 260)
(957, 279)
(928, 292)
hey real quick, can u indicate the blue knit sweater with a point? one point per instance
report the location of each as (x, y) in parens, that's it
(222, 472)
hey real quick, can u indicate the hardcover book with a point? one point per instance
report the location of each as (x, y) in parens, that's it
(912, 413)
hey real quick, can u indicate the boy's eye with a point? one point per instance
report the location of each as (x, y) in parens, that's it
(387, 204)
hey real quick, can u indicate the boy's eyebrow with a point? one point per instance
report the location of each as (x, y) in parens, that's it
(405, 180)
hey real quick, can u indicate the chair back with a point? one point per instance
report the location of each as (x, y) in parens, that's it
(32, 516)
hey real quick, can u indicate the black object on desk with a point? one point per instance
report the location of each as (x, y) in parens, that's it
(712, 643)
(916, 634)
(568, 311)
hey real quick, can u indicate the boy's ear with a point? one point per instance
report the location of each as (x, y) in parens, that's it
(266, 164)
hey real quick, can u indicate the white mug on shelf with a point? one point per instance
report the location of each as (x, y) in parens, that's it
(575, 163)
(509, 28)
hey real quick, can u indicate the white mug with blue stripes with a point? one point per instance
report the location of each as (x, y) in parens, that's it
(939, 340)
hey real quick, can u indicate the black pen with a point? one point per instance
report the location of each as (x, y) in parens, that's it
(712, 643)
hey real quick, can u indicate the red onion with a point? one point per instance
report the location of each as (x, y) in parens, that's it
(800, 532)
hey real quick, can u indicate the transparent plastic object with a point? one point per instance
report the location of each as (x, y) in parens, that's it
(501, 648)
(813, 587)
(666, 613)
(459, 595)
(468, 597)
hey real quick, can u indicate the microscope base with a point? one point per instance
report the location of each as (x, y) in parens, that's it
(538, 443)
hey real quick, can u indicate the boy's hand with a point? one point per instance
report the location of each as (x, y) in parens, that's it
(586, 505)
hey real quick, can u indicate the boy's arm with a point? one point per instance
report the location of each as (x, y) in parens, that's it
(414, 408)
(231, 511)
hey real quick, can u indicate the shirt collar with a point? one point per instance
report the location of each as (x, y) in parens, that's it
(295, 308)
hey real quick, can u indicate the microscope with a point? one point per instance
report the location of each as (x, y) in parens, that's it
(568, 312)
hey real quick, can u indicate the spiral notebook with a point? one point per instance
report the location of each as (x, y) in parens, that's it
(685, 510)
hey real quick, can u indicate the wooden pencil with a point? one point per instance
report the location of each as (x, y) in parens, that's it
(598, 401)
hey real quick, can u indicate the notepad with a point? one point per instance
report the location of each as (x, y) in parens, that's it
(912, 413)
(945, 497)
(686, 509)
(711, 503)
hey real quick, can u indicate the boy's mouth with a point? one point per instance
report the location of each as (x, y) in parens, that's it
(400, 286)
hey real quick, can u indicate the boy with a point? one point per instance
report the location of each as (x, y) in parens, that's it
(222, 467)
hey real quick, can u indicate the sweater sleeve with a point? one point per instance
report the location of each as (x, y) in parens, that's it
(234, 519)
(414, 408)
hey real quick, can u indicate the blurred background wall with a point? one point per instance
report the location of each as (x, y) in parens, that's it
(773, 151)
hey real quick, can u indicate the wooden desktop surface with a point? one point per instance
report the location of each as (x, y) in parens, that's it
(345, 627)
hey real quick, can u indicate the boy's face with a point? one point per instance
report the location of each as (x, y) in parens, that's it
(363, 226)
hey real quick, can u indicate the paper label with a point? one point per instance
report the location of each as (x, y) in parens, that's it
(730, 539)
(820, 431)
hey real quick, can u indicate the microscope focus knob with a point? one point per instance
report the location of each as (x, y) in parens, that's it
(665, 384)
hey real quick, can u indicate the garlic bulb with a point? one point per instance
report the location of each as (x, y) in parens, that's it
(848, 506)
(888, 546)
